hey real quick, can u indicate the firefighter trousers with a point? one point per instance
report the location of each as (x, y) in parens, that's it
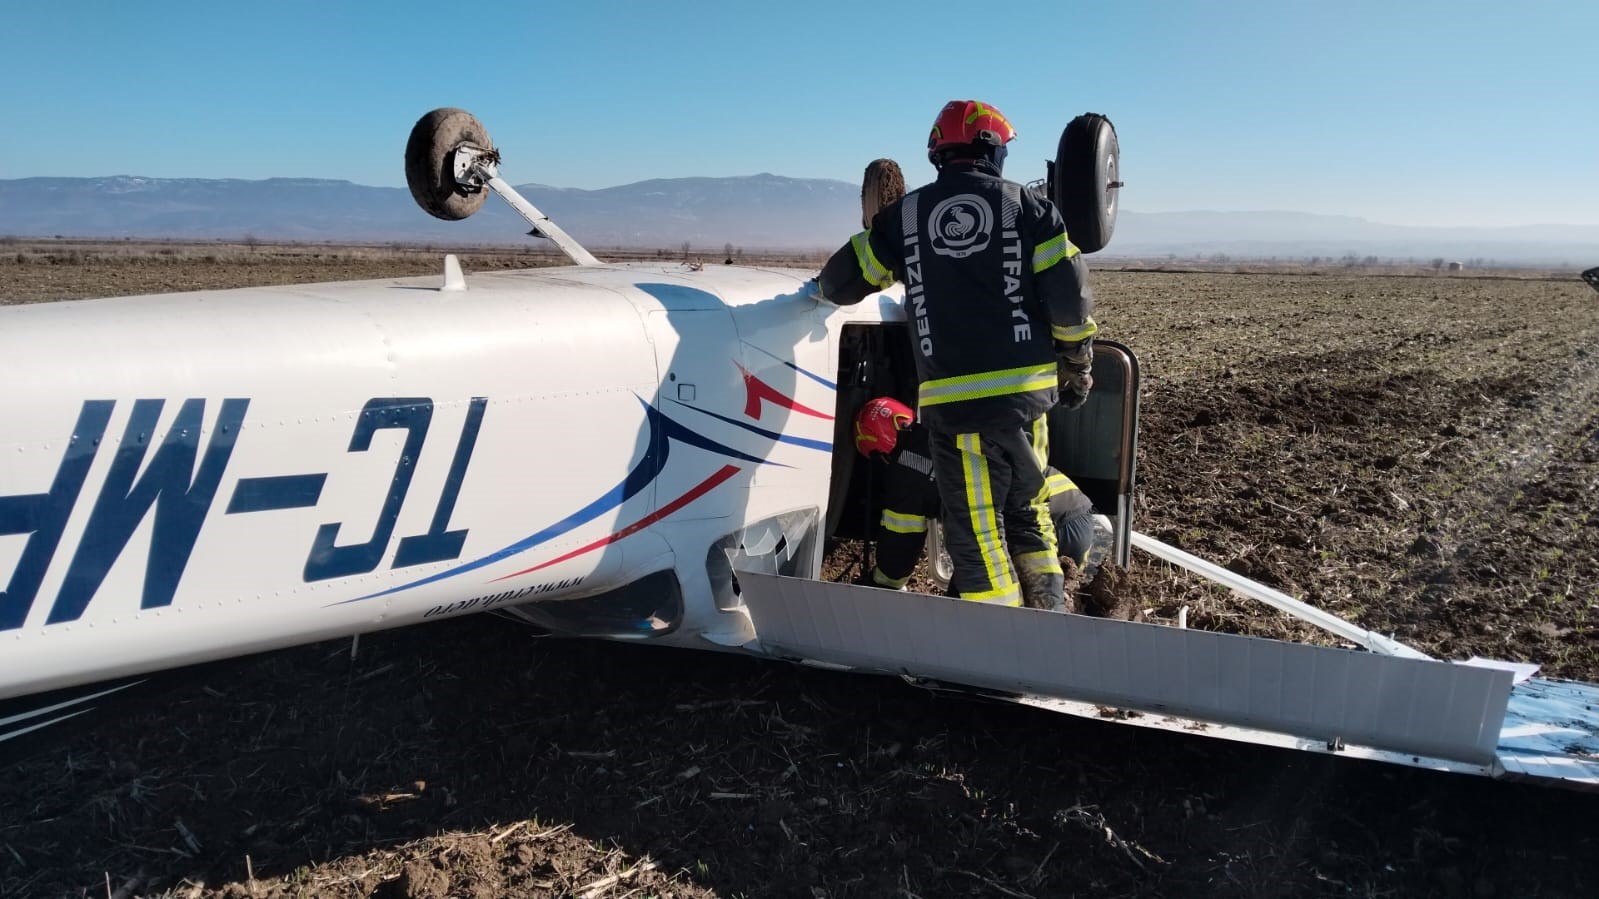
(996, 513)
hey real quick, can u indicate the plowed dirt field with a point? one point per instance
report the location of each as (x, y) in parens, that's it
(1417, 453)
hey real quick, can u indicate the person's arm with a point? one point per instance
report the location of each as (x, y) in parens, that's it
(1061, 278)
(861, 267)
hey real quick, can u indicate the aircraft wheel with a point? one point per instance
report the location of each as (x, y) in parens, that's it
(883, 185)
(430, 163)
(1088, 180)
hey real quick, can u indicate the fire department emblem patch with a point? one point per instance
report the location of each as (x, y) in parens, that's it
(961, 225)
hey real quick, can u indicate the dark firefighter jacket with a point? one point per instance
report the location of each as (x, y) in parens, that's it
(910, 501)
(995, 293)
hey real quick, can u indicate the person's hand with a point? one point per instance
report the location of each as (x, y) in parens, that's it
(1074, 388)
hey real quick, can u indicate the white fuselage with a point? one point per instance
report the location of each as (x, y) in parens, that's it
(194, 476)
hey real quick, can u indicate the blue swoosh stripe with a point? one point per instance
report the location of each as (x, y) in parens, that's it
(814, 377)
(808, 443)
(649, 467)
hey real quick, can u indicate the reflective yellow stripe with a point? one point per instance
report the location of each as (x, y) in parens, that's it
(984, 517)
(1051, 251)
(1005, 596)
(988, 383)
(1040, 502)
(1059, 483)
(1041, 562)
(900, 523)
(1078, 332)
(876, 273)
(883, 580)
(1046, 524)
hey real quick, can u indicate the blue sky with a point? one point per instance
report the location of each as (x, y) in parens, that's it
(1436, 113)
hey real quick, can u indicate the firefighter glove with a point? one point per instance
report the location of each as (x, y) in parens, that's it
(1074, 388)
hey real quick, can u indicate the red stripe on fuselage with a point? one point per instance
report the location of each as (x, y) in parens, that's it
(756, 390)
(703, 488)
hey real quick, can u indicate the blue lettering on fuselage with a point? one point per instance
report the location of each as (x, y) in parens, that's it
(440, 544)
(180, 503)
(328, 560)
(43, 516)
(177, 486)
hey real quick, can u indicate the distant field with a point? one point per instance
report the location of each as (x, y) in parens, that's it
(34, 271)
(1417, 452)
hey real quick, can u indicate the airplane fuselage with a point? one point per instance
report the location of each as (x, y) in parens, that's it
(194, 476)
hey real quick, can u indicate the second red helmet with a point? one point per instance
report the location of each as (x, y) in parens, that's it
(964, 122)
(878, 424)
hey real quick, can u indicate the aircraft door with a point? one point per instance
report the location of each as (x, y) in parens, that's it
(696, 353)
(1096, 444)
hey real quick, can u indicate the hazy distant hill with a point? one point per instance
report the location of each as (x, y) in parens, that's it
(758, 211)
(753, 212)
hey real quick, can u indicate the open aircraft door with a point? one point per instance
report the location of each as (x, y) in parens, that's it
(1096, 444)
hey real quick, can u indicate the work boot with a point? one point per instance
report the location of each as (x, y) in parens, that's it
(1043, 590)
(873, 578)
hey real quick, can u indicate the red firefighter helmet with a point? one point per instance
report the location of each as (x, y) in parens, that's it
(878, 424)
(966, 122)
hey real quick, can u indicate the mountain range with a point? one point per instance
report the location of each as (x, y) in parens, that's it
(755, 212)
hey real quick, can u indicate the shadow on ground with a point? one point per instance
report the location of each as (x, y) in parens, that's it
(471, 758)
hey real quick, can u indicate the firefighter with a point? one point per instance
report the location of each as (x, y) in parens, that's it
(1001, 327)
(885, 431)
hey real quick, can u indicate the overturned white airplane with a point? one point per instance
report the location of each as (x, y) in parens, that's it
(641, 452)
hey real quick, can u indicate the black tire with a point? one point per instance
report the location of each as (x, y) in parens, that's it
(883, 185)
(1087, 180)
(430, 163)
(1592, 277)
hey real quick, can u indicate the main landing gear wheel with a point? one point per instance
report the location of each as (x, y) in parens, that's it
(1085, 180)
(430, 163)
(882, 186)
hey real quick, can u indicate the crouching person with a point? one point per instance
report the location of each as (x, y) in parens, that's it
(887, 433)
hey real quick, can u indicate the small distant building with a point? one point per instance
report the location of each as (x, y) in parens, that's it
(1454, 267)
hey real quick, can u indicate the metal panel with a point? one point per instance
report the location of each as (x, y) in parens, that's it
(1551, 732)
(1326, 694)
